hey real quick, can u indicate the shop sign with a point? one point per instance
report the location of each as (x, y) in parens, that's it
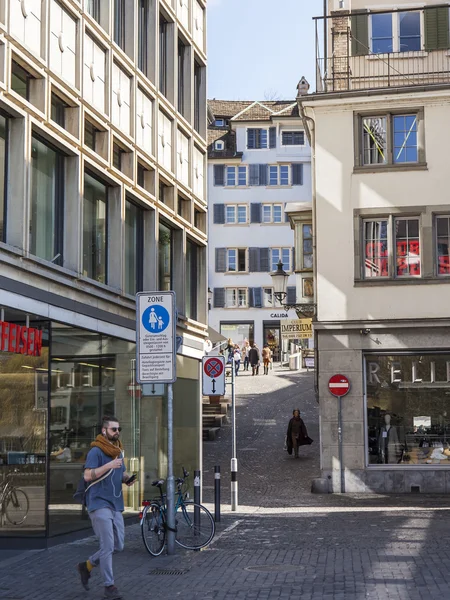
(296, 329)
(20, 340)
(279, 315)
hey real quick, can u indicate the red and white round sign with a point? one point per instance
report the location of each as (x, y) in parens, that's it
(339, 385)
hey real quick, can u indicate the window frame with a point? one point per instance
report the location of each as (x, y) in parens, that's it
(237, 270)
(292, 132)
(395, 28)
(280, 250)
(139, 266)
(217, 143)
(271, 207)
(237, 170)
(436, 237)
(237, 291)
(92, 175)
(119, 18)
(273, 299)
(235, 220)
(257, 145)
(143, 37)
(389, 164)
(278, 167)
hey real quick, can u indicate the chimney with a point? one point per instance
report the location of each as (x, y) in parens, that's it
(302, 87)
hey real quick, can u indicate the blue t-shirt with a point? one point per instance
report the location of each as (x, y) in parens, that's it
(108, 492)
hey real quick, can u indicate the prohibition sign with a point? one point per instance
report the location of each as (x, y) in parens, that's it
(213, 367)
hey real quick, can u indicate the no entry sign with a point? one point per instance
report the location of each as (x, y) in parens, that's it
(213, 375)
(339, 385)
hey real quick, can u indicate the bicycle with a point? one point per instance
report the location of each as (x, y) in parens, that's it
(14, 503)
(194, 524)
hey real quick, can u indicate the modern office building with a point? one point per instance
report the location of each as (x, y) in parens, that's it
(102, 194)
(259, 163)
(379, 121)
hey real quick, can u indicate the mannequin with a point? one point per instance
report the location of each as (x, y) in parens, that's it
(388, 444)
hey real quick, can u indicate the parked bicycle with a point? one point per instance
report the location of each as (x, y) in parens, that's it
(14, 503)
(194, 523)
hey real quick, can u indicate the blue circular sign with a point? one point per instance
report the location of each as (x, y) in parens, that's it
(155, 318)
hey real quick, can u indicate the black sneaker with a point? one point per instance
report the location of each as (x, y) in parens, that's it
(84, 574)
(112, 593)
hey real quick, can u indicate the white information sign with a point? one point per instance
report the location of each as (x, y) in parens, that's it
(156, 337)
(213, 371)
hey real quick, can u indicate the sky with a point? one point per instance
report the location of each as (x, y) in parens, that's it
(259, 49)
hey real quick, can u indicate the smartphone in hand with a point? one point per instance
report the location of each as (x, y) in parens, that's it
(132, 479)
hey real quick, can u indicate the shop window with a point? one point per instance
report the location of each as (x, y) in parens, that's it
(238, 332)
(442, 231)
(407, 404)
(191, 279)
(47, 202)
(95, 225)
(165, 250)
(134, 218)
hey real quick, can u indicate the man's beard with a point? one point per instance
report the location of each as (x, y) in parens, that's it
(112, 438)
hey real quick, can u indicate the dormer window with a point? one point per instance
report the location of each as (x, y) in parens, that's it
(219, 145)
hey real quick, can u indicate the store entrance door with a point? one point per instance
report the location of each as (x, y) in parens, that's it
(272, 337)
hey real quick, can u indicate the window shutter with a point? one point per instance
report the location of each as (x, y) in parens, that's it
(219, 174)
(255, 213)
(251, 139)
(436, 28)
(264, 260)
(253, 171)
(253, 260)
(272, 137)
(219, 297)
(297, 174)
(250, 297)
(291, 297)
(219, 213)
(262, 174)
(221, 260)
(360, 34)
(293, 259)
(257, 297)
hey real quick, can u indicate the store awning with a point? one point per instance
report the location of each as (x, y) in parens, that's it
(215, 336)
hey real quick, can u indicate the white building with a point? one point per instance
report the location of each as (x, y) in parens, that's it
(380, 122)
(102, 194)
(259, 162)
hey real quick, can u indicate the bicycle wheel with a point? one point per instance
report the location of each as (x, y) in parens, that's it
(195, 526)
(153, 529)
(16, 506)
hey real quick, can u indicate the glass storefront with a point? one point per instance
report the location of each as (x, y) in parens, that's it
(408, 409)
(238, 332)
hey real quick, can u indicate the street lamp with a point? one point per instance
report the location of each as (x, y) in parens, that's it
(279, 282)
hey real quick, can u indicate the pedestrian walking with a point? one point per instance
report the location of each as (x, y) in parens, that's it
(254, 358)
(230, 349)
(237, 360)
(267, 357)
(244, 353)
(297, 434)
(104, 502)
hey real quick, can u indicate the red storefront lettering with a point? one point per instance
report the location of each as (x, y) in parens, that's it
(5, 336)
(20, 340)
(23, 340)
(37, 342)
(12, 338)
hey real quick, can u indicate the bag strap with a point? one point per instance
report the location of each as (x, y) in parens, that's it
(98, 480)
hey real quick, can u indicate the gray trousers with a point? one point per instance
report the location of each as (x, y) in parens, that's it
(109, 528)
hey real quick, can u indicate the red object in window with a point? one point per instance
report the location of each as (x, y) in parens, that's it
(402, 266)
(444, 265)
(414, 247)
(384, 269)
(402, 248)
(414, 268)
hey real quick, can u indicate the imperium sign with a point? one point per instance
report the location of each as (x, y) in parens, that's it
(296, 329)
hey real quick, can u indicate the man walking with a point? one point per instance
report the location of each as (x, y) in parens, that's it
(104, 502)
(254, 359)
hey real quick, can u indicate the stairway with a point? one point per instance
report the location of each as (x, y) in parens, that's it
(214, 415)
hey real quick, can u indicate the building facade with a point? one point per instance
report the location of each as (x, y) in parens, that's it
(379, 121)
(259, 163)
(102, 194)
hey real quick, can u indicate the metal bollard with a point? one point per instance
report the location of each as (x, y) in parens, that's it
(234, 484)
(197, 475)
(217, 494)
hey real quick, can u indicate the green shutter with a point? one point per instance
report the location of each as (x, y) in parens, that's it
(360, 34)
(436, 28)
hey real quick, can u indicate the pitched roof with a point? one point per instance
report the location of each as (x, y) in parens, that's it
(228, 137)
(246, 110)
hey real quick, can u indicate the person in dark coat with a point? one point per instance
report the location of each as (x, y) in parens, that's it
(254, 358)
(297, 434)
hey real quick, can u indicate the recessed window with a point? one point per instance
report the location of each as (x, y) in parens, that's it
(93, 8)
(58, 110)
(165, 245)
(181, 74)
(236, 214)
(237, 260)
(163, 193)
(192, 251)
(292, 138)
(237, 176)
(257, 139)
(119, 23)
(198, 80)
(307, 247)
(134, 217)
(90, 135)
(219, 145)
(95, 226)
(163, 58)
(47, 202)
(220, 123)
(268, 298)
(141, 175)
(236, 298)
(278, 174)
(118, 153)
(283, 254)
(443, 245)
(20, 80)
(4, 127)
(272, 213)
(143, 24)
(396, 32)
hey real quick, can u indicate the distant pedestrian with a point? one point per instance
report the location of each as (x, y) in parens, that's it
(237, 360)
(104, 502)
(297, 434)
(254, 358)
(267, 357)
(244, 353)
(229, 349)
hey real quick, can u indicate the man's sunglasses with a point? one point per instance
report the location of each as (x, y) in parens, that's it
(119, 429)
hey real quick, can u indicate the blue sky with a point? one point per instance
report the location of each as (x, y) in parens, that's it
(259, 49)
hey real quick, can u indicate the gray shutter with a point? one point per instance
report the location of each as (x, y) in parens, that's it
(254, 260)
(272, 137)
(219, 298)
(436, 28)
(262, 174)
(297, 174)
(264, 260)
(251, 139)
(360, 34)
(291, 297)
(253, 173)
(257, 297)
(221, 260)
(219, 213)
(255, 213)
(293, 259)
(219, 174)
(250, 297)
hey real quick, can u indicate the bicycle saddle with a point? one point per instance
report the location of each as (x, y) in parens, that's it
(158, 483)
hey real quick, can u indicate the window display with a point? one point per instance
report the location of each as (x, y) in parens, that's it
(408, 409)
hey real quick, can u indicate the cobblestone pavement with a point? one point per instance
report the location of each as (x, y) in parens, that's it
(284, 543)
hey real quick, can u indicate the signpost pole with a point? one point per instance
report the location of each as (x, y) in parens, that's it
(234, 464)
(170, 478)
(339, 386)
(341, 459)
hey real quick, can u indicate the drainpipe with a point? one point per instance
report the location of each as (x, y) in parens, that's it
(309, 125)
